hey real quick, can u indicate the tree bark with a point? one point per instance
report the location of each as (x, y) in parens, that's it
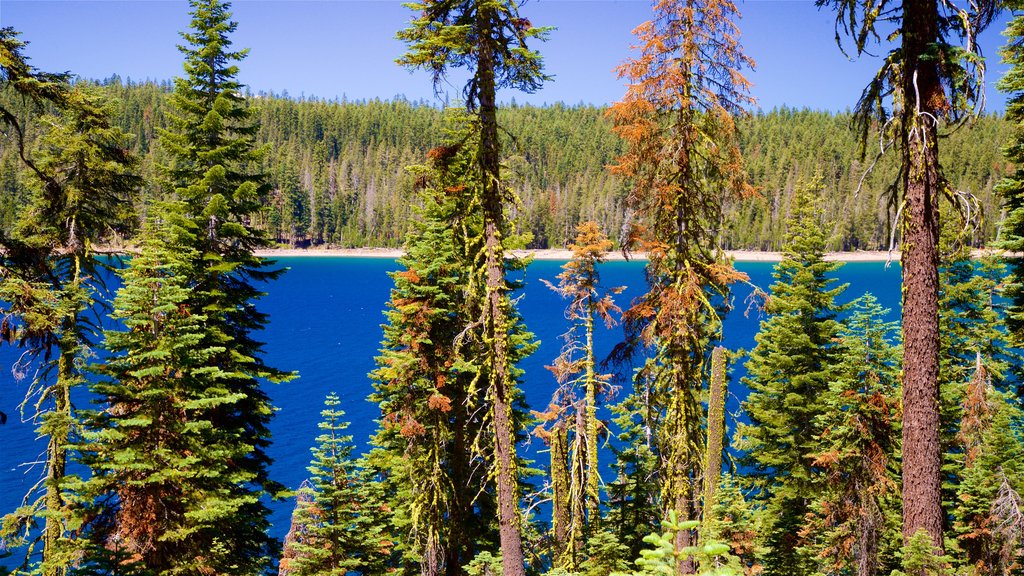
(56, 464)
(507, 481)
(560, 493)
(593, 490)
(922, 102)
(716, 432)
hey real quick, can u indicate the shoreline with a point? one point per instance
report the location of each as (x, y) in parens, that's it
(563, 254)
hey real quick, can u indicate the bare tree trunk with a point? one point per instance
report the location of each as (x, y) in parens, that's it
(560, 493)
(923, 101)
(716, 431)
(496, 329)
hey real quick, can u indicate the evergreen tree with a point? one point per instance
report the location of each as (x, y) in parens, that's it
(1012, 187)
(82, 190)
(788, 374)
(682, 159)
(633, 505)
(433, 446)
(992, 468)
(212, 161)
(857, 512)
(928, 79)
(163, 471)
(334, 535)
(489, 38)
(580, 385)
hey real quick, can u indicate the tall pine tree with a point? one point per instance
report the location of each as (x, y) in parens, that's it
(489, 38)
(212, 161)
(933, 76)
(51, 282)
(788, 373)
(682, 158)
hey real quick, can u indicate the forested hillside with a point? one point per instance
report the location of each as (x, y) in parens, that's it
(338, 169)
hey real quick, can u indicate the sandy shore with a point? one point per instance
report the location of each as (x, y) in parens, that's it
(552, 254)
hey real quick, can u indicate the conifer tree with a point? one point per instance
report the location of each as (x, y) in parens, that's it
(788, 373)
(1012, 187)
(489, 38)
(682, 159)
(212, 158)
(160, 465)
(51, 280)
(992, 448)
(857, 512)
(433, 447)
(337, 537)
(633, 505)
(580, 385)
(929, 79)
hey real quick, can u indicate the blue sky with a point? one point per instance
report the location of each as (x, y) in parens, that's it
(346, 48)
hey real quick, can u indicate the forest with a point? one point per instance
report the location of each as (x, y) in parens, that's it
(866, 447)
(338, 177)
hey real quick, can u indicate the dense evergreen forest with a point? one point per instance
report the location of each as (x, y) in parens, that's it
(338, 170)
(866, 448)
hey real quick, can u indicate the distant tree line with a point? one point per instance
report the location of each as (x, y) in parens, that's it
(338, 177)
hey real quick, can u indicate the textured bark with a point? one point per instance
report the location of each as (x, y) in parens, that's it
(593, 490)
(921, 91)
(507, 482)
(456, 553)
(560, 492)
(716, 431)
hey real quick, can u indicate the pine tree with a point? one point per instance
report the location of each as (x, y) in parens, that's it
(682, 159)
(434, 365)
(633, 505)
(1012, 187)
(83, 186)
(489, 38)
(993, 457)
(580, 385)
(159, 462)
(928, 79)
(857, 513)
(212, 158)
(788, 373)
(337, 537)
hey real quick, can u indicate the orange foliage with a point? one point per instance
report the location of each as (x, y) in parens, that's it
(440, 402)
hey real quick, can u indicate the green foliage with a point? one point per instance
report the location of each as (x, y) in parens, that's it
(663, 558)
(336, 169)
(333, 531)
(165, 396)
(856, 517)
(788, 374)
(920, 558)
(433, 449)
(80, 185)
(484, 564)
(211, 156)
(634, 508)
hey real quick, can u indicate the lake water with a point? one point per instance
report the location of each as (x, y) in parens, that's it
(325, 323)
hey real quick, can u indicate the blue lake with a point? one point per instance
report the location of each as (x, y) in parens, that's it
(325, 323)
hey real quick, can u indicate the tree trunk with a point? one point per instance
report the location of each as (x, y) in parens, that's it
(496, 329)
(716, 432)
(593, 491)
(456, 548)
(560, 494)
(922, 101)
(56, 463)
